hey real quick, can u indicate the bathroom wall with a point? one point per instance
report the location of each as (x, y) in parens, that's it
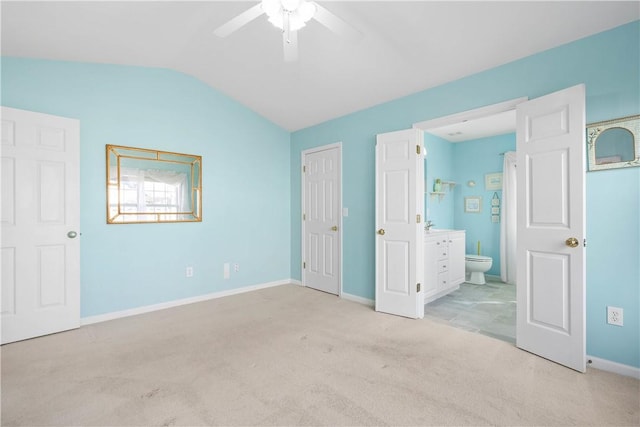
(473, 160)
(246, 196)
(439, 163)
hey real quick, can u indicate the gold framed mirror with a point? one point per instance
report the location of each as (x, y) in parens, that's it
(614, 143)
(151, 186)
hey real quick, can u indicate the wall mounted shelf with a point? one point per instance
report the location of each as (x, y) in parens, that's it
(445, 186)
(438, 194)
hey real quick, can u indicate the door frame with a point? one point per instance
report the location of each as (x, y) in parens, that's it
(303, 154)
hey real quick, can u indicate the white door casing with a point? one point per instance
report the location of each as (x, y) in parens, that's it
(40, 224)
(321, 222)
(399, 229)
(551, 198)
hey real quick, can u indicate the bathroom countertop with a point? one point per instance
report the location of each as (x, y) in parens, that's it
(439, 230)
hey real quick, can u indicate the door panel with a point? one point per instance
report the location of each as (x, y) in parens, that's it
(551, 274)
(548, 175)
(397, 264)
(321, 221)
(399, 213)
(549, 298)
(40, 205)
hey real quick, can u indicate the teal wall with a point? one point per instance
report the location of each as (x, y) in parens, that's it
(473, 160)
(246, 194)
(609, 65)
(438, 164)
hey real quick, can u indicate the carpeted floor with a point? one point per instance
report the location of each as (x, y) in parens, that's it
(293, 356)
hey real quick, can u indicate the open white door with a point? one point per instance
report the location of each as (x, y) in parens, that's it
(40, 223)
(399, 229)
(551, 227)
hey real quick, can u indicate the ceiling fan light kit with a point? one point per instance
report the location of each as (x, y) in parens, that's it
(294, 12)
(290, 16)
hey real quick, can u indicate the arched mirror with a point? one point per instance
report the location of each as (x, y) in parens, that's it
(614, 143)
(152, 186)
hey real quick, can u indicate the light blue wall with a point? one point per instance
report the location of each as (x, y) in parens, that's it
(246, 192)
(609, 65)
(439, 163)
(473, 160)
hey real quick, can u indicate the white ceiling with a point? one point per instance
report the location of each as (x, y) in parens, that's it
(405, 46)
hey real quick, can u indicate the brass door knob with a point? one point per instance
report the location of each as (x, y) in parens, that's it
(334, 228)
(572, 242)
(381, 232)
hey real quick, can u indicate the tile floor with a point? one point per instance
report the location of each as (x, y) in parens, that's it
(486, 309)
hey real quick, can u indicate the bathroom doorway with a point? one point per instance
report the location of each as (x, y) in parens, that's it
(472, 145)
(550, 288)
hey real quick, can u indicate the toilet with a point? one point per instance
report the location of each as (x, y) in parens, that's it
(476, 266)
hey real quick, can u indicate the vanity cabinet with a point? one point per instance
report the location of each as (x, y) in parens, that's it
(444, 253)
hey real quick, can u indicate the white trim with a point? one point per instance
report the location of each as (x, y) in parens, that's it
(360, 300)
(476, 113)
(169, 304)
(616, 368)
(296, 282)
(337, 145)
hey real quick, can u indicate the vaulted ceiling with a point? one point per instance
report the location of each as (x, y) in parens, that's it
(405, 47)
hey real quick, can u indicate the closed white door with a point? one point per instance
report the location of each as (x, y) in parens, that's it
(40, 224)
(399, 229)
(551, 227)
(321, 219)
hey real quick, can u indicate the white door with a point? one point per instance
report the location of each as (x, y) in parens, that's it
(40, 224)
(399, 228)
(551, 227)
(321, 218)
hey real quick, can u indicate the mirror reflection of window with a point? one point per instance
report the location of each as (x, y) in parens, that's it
(152, 186)
(155, 191)
(614, 145)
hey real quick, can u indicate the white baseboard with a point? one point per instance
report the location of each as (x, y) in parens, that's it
(149, 308)
(616, 368)
(355, 298)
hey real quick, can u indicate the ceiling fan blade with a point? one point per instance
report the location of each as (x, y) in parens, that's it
(336, 24)
(290, 45)
(240, 20)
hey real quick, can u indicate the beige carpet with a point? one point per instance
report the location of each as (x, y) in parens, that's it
(293, 356)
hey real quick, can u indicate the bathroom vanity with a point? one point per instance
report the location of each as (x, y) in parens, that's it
(444, 252)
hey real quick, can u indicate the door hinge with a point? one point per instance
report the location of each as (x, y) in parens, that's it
(418, 287)
(418, 149)
(418, 219)
(304, 265)
(584, 243)
(304, 216)
(304, 169)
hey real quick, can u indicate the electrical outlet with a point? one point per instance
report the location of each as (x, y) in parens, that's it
(615, 316)
(236, 267)
(189, 272)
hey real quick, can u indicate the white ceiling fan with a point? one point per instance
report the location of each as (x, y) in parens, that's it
(290, 16)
